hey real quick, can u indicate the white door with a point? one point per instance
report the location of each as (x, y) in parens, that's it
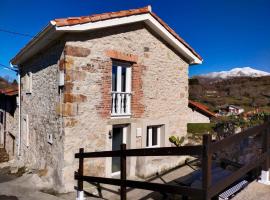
(119, 135)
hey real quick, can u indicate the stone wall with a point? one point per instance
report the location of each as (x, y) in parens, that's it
(41, 107)
(11, 129)
(78, 115)
(159, 96)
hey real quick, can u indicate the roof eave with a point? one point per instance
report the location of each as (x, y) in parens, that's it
(149, 20)
(52, 31)
(41, 39)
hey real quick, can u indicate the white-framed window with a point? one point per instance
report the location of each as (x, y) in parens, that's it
(28, 82)
(153, 136)
(121, 77)
(25, 130)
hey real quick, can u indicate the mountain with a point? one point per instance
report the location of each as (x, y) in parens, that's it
(236, 72)
(244, 91)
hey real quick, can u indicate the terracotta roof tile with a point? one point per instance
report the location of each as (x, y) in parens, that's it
(9, 91)
(98, 17)
(105, 16)
(202, 108)
(199, 104)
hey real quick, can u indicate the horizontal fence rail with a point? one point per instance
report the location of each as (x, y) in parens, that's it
(205, 151)
(163, 151)
(144, 185)
(238, 137)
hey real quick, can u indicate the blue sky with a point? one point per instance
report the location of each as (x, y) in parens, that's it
(226, 33)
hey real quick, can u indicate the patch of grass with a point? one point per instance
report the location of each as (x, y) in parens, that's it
(197, 130)
(200, 128)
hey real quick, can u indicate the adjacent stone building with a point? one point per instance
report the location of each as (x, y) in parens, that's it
(199, 113)
(99, 81)
(9, 118)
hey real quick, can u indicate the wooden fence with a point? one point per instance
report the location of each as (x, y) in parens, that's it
(205, 151)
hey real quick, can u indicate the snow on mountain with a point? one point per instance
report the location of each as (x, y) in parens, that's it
(236, 72)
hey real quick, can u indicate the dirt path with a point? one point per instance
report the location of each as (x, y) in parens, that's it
(14, 188)
(22, 188)
(11, 191)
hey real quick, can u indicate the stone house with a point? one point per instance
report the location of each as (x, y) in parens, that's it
(199, 113)
(99, 81)
(235, 110)
(8, 123)
(228, 110)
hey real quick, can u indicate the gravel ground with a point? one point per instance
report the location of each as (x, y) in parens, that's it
(11, 191)
(22, 188)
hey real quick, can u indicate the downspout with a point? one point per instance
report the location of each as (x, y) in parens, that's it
(4, 119)
(19, 107)
(19, 113)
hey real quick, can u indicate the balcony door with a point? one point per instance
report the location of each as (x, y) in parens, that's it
(121, 89)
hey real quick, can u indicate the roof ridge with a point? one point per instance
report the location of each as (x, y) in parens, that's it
(99, 17)
(69, 21)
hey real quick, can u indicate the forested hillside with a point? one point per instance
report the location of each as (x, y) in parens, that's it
(247, 92)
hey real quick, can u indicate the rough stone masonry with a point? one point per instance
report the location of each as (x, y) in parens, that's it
(78, 115)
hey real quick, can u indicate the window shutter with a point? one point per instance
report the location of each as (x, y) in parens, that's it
(25, 131)
(27, 82)
(30, 82)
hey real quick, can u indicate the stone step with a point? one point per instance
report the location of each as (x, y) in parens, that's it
(4, 157)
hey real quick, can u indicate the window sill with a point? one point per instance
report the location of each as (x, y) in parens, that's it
(113, 116)
(155, 146)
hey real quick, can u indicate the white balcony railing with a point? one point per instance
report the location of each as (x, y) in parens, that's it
(121, 103)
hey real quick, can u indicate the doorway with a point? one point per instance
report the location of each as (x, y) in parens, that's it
(119, 135)
(2, 131)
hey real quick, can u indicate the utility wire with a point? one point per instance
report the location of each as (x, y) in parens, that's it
(21, 34)
(9, 68)
(3, 65)
(16, 33)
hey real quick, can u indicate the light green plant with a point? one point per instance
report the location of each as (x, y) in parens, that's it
(176, 140)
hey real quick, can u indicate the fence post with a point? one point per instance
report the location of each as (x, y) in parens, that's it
(80, 192)
(265, 148)
(123, 169)
(206, 165)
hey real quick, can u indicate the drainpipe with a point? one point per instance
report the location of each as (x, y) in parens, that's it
(19, 113)
(17, 70)
(5, 120)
